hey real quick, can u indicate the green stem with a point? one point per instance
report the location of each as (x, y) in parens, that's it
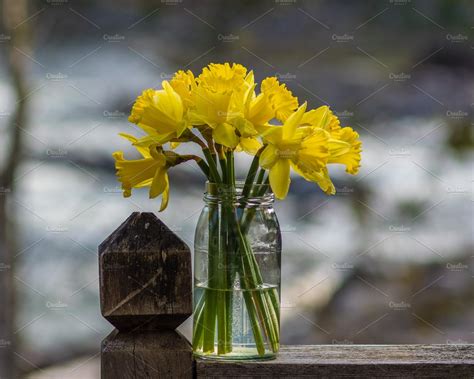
(209, 324)
(227, 236)
(252, 312)
(253, 280)
(232, 250)
(267, 303)
(225, 326)
(198, 323)
(203, 166)
(250, 176)
(214, 173)
(222, 162)
(258, 191)
(258, 184)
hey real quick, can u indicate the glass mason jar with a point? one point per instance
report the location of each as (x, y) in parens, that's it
(237, 261)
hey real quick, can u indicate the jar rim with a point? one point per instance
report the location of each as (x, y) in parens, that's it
(213, 188)
(257, 193)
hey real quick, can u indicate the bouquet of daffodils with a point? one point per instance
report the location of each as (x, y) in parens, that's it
(224, 111)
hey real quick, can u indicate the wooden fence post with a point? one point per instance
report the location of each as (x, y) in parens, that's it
(146, 293)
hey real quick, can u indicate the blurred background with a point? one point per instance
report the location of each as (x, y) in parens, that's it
(389, 259)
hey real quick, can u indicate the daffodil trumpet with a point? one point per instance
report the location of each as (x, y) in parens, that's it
(222, 112)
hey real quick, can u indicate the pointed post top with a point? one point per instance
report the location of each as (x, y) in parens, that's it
(141, 232)
(145, 275)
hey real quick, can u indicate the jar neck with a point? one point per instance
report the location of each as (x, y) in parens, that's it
(258, 195)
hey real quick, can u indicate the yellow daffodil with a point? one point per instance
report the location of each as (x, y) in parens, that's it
(223, 106)
(151, 171)
(350, 156)
(218, 84)
(274, 101)
(160, 113)
(304, 149)
(344, 144)
(278, 98)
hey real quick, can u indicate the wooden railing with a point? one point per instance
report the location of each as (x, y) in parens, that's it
(146, 293)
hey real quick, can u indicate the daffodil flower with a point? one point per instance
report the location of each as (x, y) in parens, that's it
(217, 85)
(274, 101)
(160, 113)
(151, 171)
(304, 149)
(223, 106)
(344, 143)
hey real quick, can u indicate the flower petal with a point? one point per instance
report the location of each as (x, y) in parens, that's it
(159, 183)
(349, 155)
(250, 145)
(290, 125)
(154, 139)
(134, 173)
(280, 178)
(224, 134)
(268, 157)
(145, 153)
(280, 99)
(316, 117)
(321, 178)
(166, 195)
(184, 84)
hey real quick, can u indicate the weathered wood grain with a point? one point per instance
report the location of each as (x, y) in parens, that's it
(355, 361)
(146, 355)
(145, 275)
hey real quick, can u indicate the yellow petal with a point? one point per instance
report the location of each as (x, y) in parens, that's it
(338, 147)
(290, 125)
(268, 157)
(260, 110)
(316, 117)
(184, 84)
(332, 123)
(321, 178)
(135, 173)
(250, 145)
(281, 100)
(351, 155)
(159, 183)
(154, 139)
(313, 154)
(145, 153)
(182, 127)
(224, 134)
(244, 126)
(210, 107)
(157, 110)
(222, 77)
(171, 103)
(280, 178)
(272, 134)
(166, 195)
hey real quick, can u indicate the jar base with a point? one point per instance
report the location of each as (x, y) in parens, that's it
(237, 354)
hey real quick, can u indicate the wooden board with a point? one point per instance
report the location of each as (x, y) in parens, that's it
(355, 361)
(146, 355)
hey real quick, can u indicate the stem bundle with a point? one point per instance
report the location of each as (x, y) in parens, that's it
(230, 256)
